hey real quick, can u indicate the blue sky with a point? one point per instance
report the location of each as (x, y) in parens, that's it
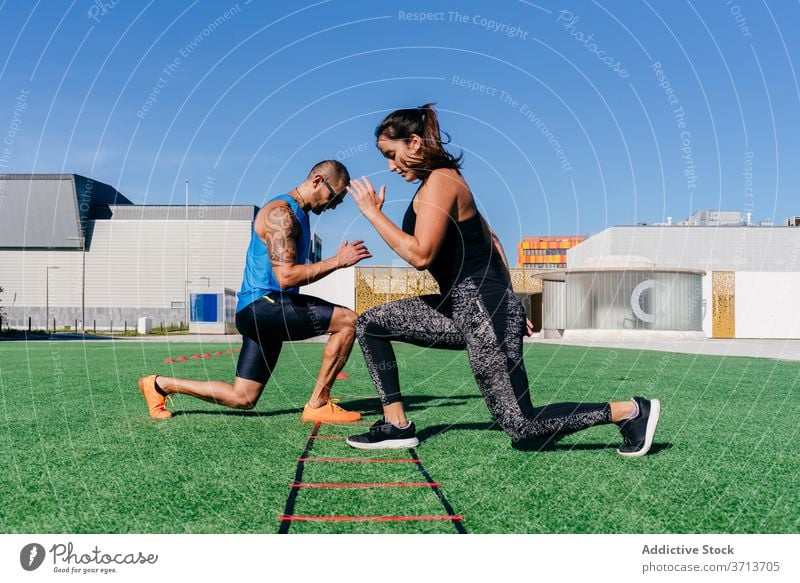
(573, 116)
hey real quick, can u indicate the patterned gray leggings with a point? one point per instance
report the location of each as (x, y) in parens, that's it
(489, 321)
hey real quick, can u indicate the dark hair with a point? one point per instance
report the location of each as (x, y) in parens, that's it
(331, 168)
(400, 124)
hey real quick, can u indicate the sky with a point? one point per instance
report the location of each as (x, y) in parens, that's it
(572, 116)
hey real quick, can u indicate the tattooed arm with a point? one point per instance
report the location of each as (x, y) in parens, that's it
(280, 230)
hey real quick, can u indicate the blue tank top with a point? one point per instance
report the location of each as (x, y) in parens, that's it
(259, 279)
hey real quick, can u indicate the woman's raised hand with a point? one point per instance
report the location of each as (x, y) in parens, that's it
(369, 202)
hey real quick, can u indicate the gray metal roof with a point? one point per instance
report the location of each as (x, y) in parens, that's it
(46, 211)
(152, 212)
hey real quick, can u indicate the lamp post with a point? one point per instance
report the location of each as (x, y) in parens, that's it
(207, 278)
(186, 276)
(47, 297)
(82, 239)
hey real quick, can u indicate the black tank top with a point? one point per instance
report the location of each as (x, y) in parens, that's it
(465, 252)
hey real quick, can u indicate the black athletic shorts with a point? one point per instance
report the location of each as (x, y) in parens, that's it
(272, 319)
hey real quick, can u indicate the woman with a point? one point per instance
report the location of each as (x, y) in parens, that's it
(443, 232)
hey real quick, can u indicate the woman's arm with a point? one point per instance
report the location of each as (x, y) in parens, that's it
(436, 200)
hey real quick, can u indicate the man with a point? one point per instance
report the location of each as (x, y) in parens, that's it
(270, 310)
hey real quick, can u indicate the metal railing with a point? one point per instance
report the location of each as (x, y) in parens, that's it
(380, 285)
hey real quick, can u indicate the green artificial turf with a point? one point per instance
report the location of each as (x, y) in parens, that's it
(80, 455)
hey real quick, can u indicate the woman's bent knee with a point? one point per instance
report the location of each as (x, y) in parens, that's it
(361, 325)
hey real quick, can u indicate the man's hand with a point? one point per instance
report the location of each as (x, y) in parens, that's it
(351, 253)
(369, 202)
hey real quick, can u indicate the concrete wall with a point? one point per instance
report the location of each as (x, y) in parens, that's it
(133, 269)
(554, 305)
(766, 261)
(767, 305)
(707, 305)
(143, 263)
(338, 288)
(769, 249)
(23, 273)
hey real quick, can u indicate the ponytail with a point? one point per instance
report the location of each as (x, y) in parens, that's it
(424, 122)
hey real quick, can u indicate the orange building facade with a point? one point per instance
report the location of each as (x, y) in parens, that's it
(546, 252)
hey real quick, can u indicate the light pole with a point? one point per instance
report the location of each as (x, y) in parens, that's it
(207, 278)
(186, 278)
(47, 297)
(82, 239)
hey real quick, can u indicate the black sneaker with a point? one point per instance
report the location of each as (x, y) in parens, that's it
(637, 433)
(384, 435)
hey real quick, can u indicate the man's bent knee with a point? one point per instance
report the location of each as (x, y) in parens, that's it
(245, 401)
(344, 320)
(246, 393)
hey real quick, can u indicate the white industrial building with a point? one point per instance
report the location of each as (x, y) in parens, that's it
(749, 277)
(76, 250)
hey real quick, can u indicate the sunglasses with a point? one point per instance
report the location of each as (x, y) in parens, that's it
(336, 197)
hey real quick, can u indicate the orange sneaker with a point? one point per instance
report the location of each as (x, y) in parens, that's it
(330, 412)
(156, 404)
